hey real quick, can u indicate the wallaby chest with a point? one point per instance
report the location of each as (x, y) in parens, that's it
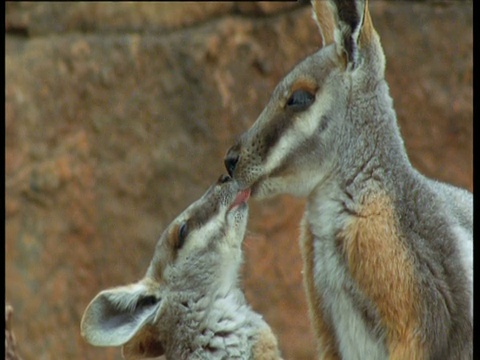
(356, 256)
(330, 288)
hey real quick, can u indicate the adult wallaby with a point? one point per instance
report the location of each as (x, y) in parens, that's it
(189, 304)
(388, 253)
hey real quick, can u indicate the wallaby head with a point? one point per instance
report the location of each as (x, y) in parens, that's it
(326, 115)
(199, 253)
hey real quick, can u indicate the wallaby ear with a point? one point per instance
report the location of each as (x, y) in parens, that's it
(342, 22)
(323, 16)
(116, 315)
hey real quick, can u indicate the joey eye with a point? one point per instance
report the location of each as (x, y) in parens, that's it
(300, 100)
(182, 235)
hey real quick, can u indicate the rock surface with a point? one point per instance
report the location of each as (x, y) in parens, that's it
(118, 117)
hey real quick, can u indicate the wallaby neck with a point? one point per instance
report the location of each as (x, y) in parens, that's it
(374, 150)
(370, 154)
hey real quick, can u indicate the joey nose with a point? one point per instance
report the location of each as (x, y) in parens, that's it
(231, 160)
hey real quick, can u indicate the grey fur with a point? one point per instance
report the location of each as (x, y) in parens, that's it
(345, 148)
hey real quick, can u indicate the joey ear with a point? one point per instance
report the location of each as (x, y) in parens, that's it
(346, 17)
(116, 315)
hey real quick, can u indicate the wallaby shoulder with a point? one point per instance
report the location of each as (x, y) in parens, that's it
(457, 201)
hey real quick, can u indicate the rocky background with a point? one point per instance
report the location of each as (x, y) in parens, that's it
(118, 116)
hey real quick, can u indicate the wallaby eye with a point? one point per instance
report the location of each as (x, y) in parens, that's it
(182, 235)
(300, 100)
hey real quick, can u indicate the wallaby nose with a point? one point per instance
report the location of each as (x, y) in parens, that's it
(231, 160)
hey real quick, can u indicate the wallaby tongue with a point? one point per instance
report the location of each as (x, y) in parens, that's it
(242, 197)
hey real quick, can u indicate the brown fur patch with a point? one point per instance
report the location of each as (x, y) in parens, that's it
(304, 84)
(173, 235)
(266, 347)
(380, 263)
(367, 27)
(323, 330)
(325, 20)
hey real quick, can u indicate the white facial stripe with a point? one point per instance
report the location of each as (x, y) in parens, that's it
(199, 237)
(303, 128)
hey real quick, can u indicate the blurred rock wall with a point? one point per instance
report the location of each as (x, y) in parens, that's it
(118, 116)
